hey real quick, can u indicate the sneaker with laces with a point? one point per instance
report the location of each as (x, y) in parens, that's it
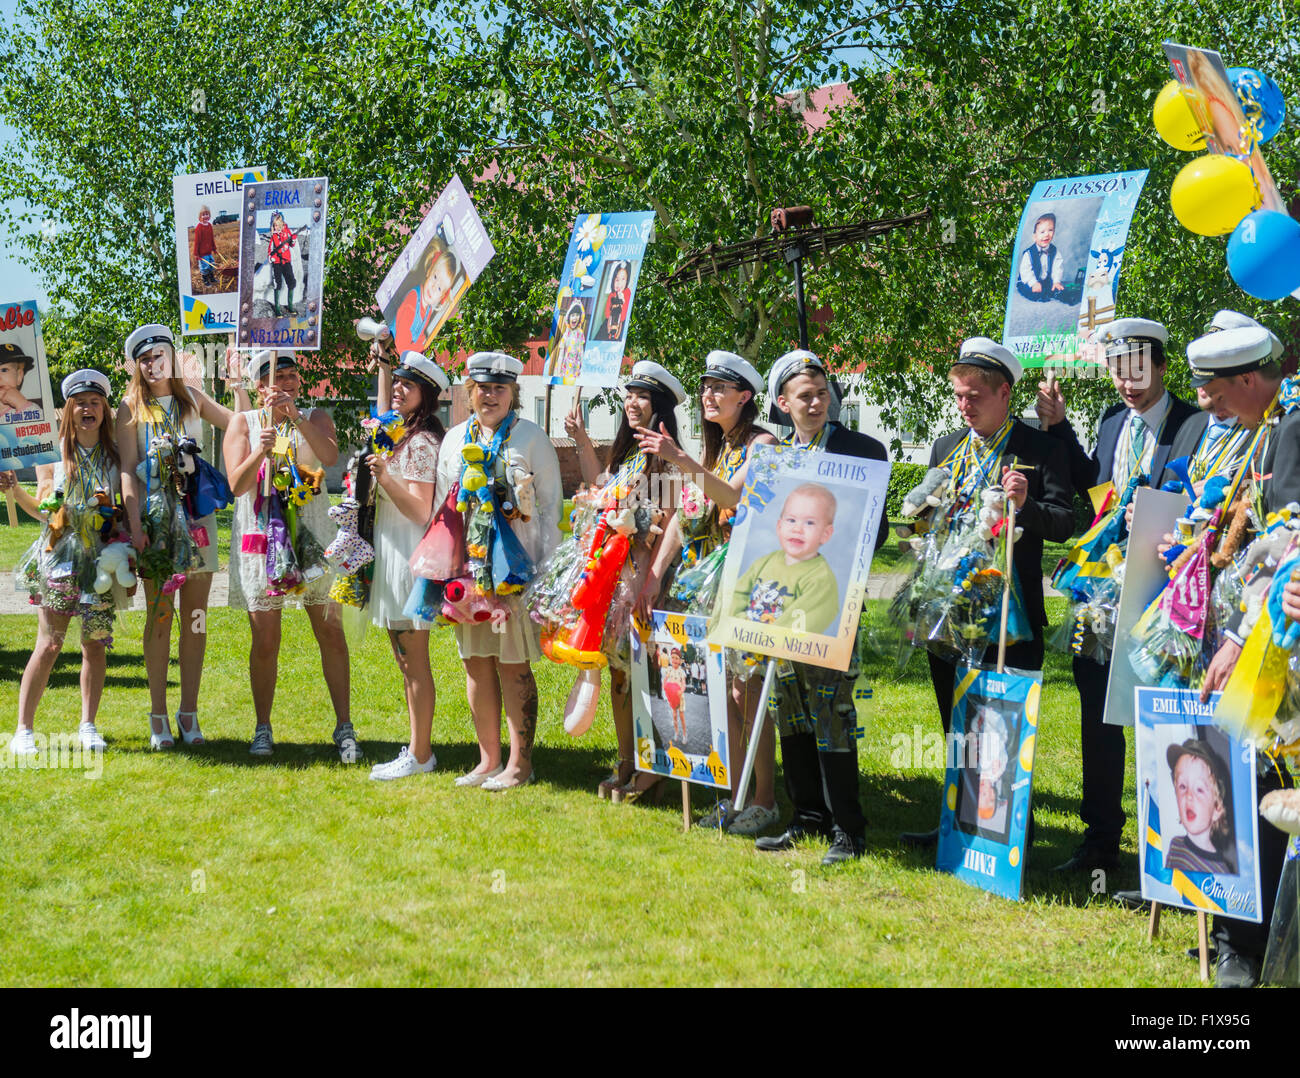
(404, 766)
(262, 745)
(715, 815)
(90, 738)
(752, 819)
(23, 743)
(345, 738)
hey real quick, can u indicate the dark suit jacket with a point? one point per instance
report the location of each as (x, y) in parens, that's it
(852, 443)
(1281, 465)
(1086, 471)
(1048, 513)
(1185, 444)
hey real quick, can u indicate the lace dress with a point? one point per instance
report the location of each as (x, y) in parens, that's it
(248, 571)
(396, 536)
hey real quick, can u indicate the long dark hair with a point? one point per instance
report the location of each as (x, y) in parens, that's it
(625, 440)
(425, 417)
(715, 439)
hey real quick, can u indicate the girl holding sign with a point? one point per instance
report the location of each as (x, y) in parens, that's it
(160, 426)
(76, 505)
(651, 398)
(700, 530)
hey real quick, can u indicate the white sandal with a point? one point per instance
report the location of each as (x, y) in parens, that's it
(162, 740)
(192, 736)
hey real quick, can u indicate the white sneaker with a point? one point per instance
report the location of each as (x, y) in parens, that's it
(23, 743)
(715, 815)
(263, 744)
(752, 819)
(403, 767)
(90, 738)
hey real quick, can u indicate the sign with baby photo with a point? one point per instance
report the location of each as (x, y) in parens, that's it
(443, 257)
(679, 701)
(988, 778)
(1198, 828)
(28, 432)
(800, 552)
(206, 206)
(282, 263)
(593, 307)
(1065, 265)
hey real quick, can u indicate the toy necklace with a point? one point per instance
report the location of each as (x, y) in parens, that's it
(90, 473)
(473, 432)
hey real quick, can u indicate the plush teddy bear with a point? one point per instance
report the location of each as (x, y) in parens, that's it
(522, 497)
(114, 562)
(465, 604)
(56, 516)
(348, 552)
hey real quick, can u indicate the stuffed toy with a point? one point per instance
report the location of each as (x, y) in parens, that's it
(114, 563)
(919, 505)
(348, 552)
(57, 517)
(521, 501)
(473, 478)
(993, 515)
(464, 604)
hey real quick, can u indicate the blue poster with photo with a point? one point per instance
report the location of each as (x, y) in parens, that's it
(1198, 827)
(593, 307)
(988, 781)
(1065, 265)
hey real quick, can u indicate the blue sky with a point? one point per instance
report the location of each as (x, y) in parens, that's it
(19, 282)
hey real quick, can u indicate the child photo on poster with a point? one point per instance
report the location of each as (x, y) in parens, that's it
(28, 430)
(206, 207)
(443, 257)
(1197, 824)
(282, 263)
(796, 568)
(593, 306)
(988, 781)
(679, 701)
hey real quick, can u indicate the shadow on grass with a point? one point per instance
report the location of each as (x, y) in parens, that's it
(124, 670)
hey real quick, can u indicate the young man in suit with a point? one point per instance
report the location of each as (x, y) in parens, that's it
(1134, 442)
(816, 714)
(986, 452)
(1237, 368)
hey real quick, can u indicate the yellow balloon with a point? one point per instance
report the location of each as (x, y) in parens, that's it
(1212, 194)
(1174, 120)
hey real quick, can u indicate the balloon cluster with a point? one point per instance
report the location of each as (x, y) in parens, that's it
(1218, 194)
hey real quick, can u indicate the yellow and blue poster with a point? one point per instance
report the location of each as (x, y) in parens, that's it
(1065, 266)
(593, 307)
(1198, 828)
(206, 207)
(988, 780)
(679, 701)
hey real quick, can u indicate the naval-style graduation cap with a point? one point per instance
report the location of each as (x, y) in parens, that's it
(1237, 320)
(147, 336)
(85, 381)
(729, 367)
(418, 368)
(646, 374)
(1228, 352)
(260, 364)
(987, 353)
(494, 367)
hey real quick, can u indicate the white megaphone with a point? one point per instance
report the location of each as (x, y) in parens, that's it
(370, 330)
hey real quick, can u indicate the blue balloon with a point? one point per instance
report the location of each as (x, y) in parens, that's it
(1264, 254)
(1261, 99)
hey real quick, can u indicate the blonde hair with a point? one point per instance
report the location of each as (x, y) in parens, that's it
(818, 493)
(989, 379)
(138, 396)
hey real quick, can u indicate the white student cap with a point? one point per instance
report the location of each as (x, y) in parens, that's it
(85, 381)
(729, 367)
(646, 374)
(1237, 320)
(419, 368)
(787, 367)
(987, 353)
(495, 367)
(1122, 332)
(143, 337)
(1227, 352)
(263, 358)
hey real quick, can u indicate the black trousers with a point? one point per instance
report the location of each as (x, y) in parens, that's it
(823, 786)
(1102, 747)
(1243, 936)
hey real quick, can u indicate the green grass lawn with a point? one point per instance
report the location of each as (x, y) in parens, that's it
(207, 867)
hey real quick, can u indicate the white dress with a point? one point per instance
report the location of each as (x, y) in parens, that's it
(248, 571)
(193, 426)
(397, 536)
(528, 443)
